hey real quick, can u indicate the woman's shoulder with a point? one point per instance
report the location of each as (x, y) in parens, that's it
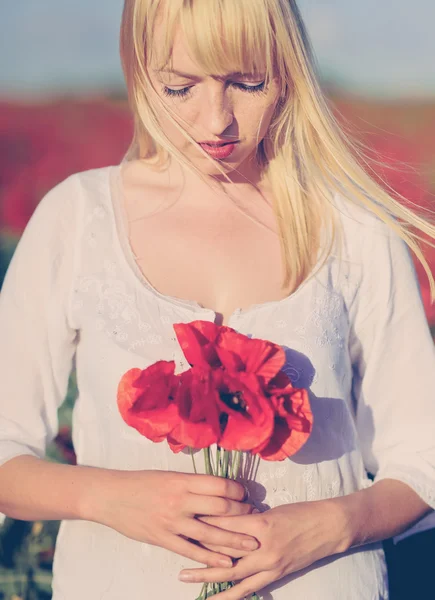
(69, 190)
(357, 219)
(362, 231)
(60, 211)
(73, 197)
(367, 243)
(91, 181)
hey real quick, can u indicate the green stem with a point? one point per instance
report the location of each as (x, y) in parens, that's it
(207, 459)
(237, 464)
(212, 460)
(218, 461)
(230, 464)
(226, 463)
(203, 594)
(193, 460)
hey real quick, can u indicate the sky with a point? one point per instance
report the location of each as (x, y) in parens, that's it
(371, 47)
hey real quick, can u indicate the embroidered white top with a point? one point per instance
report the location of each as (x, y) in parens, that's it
(356, 334)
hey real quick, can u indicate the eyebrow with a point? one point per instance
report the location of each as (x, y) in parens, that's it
(190, 76)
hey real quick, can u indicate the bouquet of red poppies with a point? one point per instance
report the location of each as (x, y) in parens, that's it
(234, 396)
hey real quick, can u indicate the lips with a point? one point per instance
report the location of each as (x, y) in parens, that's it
(218, 151)
(216, 144)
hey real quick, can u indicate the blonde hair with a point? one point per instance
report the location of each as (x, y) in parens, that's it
(305, 157)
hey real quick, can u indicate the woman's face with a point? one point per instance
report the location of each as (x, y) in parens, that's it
(232, 108)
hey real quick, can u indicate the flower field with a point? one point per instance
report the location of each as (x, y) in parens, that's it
(40, 145)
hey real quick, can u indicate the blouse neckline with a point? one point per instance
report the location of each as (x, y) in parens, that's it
(126, 254)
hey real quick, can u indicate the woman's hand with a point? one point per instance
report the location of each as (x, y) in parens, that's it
(291, 537)
(160, 508)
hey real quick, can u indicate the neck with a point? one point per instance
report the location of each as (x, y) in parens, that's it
(238, 182)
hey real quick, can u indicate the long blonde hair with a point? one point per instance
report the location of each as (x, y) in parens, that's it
(305, 157)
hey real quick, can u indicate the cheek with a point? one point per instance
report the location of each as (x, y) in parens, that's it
(257, 118)
(184, 114)
(268, 114)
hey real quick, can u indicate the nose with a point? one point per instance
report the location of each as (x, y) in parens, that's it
(217, 110)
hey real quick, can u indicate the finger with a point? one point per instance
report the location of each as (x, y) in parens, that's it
(232, 552)
(248, 523)
(213, 505)
(209, 485)
(201, 555)
(244, 568)
(206, 534)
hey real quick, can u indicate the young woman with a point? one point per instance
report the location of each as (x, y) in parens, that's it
(240, 203)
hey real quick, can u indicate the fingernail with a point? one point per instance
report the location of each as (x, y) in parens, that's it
(225, 563)
(185, 577)
(250, 544)
(255, 511)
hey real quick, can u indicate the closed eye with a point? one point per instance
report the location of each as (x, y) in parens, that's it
(185, 92)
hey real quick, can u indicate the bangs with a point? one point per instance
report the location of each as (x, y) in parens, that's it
(222, 36)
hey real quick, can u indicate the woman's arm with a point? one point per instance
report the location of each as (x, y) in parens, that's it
(155, 507)
(33, 489)
(393, 359)
(38, 339)
(381, 511)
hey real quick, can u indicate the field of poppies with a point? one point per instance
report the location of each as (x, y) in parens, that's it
(40, 145)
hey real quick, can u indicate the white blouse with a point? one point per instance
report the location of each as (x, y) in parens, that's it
(355, 334)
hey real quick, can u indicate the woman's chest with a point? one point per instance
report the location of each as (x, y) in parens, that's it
(221, 258)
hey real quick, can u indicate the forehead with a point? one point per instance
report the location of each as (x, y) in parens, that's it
(171, 50)
(180, 56)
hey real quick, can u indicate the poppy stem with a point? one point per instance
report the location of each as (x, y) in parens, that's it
(207, 460)
(237, 465)
(203, 595)
(226, 461)
(214, 465)
(231, 464)
(193, 460)
(218, 461)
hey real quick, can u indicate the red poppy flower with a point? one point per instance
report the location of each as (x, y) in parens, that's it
(198, 425)
(146, 400)
(215, 407)
(197, 340)
(234, 395)
(246, 414)
(292, 423)
(208, 345)
(238, 353)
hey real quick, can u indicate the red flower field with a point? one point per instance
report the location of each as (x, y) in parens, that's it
(40, 145)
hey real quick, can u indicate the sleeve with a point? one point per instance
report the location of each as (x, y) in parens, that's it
(393, 359)
(37, 342)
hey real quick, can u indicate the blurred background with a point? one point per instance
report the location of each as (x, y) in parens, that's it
(63, 109)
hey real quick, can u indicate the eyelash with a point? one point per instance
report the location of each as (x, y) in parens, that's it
(184, 92)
